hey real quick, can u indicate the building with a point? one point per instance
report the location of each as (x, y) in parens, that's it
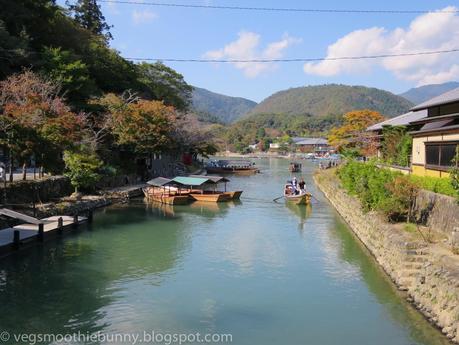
(401, 120)
(312, 145)
(434, 127)
(437, 135)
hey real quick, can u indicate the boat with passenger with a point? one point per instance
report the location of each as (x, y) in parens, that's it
(294, 167)
(299, 197)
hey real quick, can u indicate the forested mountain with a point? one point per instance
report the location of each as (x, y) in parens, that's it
(332, 100)
(423, 93)
(216, 107)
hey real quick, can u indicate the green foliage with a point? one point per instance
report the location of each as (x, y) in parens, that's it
(388, 191)
(435, 184)
(396, 145)
(378, 189)
(72, 74)
(87, 13)
(82, 169)
(225, 108)
(267, 127)
(331, 100)
(164, 83)
(454, 173)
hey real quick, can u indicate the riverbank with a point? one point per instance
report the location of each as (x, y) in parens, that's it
(428, 272)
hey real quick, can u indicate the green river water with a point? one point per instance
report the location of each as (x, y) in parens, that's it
(264, 272)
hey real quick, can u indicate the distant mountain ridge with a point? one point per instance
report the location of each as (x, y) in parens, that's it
(424, 93)
(332, 99)
(215, 107)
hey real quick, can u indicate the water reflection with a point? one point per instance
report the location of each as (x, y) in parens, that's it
(303, 212)
(65, 287)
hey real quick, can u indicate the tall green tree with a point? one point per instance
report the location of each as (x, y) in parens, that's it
(163, 83)
(88, 14)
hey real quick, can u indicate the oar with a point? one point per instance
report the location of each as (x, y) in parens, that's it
(278, 198)
(314, 197)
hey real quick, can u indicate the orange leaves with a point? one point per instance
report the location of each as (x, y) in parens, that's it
(353, 132)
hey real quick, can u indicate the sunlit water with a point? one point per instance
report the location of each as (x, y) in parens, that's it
(265, 272)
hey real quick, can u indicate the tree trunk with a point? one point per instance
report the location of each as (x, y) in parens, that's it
(24, 171)
(11, 166)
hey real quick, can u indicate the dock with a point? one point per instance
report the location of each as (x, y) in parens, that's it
(35, 230)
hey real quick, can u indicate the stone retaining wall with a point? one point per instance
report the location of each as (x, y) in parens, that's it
(439, 212)
(428, 272)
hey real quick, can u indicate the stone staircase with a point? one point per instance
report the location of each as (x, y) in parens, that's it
(414, 261)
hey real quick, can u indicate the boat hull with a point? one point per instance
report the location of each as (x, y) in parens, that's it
(217, 197)
(165, 198)
(236, 195)
(236, 171)
(304, 199)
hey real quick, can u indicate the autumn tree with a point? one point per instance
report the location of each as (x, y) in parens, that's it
(352, 135)
(34, 113)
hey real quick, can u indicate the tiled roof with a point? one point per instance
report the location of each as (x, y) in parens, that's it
(401, 120)
(447, 97)
(312, 141)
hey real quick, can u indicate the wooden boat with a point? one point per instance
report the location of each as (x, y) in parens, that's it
(162, 190)
(165, 196)
(231, 167)
(304, 198)
(209, 196)
(234, 195)
(294, 167)
(198, 188)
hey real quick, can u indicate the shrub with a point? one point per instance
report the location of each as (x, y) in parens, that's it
(82, 169)
(367, 182)
(402, 200)
(435, 184)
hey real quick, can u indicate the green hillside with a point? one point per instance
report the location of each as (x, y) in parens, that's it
(423, 93)
(213, 106)
(332, 100)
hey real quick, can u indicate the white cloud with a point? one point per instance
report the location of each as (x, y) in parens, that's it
(247, 47)
(428, 32)
(141, 17)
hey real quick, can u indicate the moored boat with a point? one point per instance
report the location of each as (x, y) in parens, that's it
(208, 196)
(238, 167)
(233, 195)
(197, 188)
(162, 190)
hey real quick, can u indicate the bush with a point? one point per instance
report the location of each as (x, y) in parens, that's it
(82, 169)
(435, 184)
(367, 182)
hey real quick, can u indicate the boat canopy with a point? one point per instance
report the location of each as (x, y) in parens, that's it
(215, 179)
(191, 181)
(160, 182)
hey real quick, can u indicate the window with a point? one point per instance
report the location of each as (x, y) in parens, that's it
(440, 155)
(447, 155)
(432, 154)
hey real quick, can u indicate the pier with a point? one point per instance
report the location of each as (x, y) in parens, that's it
(35, 230)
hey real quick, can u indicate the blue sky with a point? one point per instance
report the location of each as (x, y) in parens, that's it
(162, 32)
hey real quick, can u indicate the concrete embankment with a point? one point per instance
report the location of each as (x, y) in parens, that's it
(428, 272)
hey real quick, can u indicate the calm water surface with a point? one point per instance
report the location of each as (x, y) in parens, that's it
(266, 273)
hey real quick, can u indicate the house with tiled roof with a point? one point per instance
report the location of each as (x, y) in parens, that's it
(434, 127)
(437, 135)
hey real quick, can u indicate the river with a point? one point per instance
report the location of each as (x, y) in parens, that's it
(264, 272)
